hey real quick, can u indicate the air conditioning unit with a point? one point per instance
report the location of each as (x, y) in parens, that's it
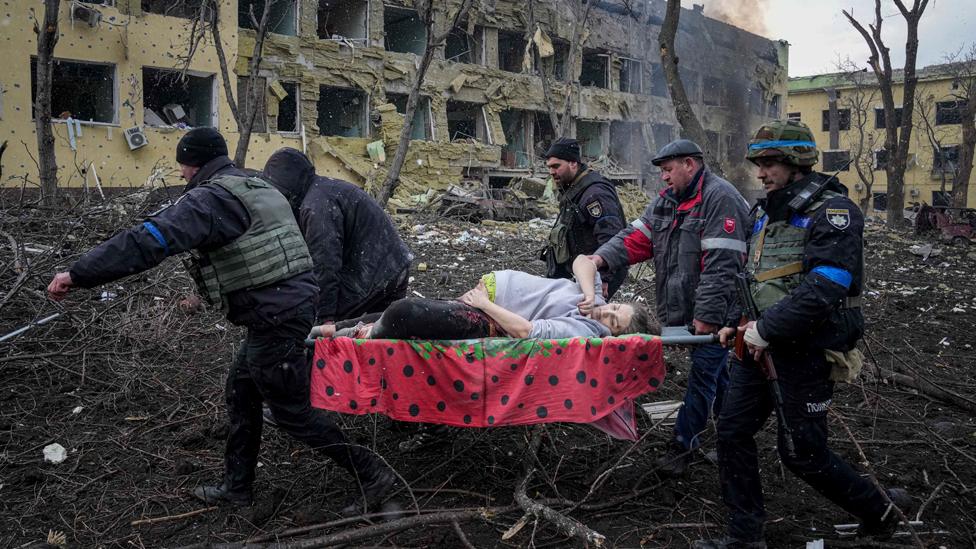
(136, 138)
(85, 14)
(914, 192)
(858, 187)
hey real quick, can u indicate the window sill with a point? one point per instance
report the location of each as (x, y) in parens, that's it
(93, 124)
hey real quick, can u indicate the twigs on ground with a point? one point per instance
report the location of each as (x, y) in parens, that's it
(171, 518)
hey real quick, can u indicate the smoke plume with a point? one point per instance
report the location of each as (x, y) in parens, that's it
(745, 14)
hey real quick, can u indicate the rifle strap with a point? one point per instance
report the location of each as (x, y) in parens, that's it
(780, 272)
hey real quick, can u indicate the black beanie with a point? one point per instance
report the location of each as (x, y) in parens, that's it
(565, 148)
(199, 146)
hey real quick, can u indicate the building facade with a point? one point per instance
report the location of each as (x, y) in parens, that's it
(856, 146)
(334, 78)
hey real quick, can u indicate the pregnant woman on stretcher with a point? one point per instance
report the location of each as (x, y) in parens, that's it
(512, 304)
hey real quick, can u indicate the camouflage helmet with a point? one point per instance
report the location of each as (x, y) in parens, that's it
(789, 140)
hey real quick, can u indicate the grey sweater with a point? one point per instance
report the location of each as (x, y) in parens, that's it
(550, 304)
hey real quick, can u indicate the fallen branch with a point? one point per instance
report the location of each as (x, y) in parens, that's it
(171, 518)
(569, 526)
(918, 383)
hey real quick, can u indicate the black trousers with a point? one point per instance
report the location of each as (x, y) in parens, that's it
(420, 318)
(807, 392)
(271, 366)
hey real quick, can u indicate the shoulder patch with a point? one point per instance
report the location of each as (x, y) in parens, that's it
(595, 209)
(839, 218)
(729, 225)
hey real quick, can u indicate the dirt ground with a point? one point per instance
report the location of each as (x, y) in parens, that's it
(133, 389)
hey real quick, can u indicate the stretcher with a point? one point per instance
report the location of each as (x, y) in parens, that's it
(493, 382)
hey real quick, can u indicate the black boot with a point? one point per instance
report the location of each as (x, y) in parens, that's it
(675, 462)
(727, 543)
(376, 480)
(220, 495)
(884, 527)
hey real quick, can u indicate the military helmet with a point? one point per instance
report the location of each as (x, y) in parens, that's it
(790, 140)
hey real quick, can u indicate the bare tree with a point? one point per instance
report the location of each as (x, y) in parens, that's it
(560, 117)
(47, 39)
(946, 168)
(963, 67)
(436, 35)
(206, 23)
(896, 142)
(860, 98)
(690, 125)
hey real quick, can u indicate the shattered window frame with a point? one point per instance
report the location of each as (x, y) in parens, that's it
(342, 108)
(471, 55)
(62, 104)
(184, 9)
(836, 160)
(949, 112)
(277, 21)
(633, 69)
(512, 62)
(586, 145)
(481, 132)
(199, 80)
(794, 116)
(323, 34)
(419, 42)
(843, 119)
(880, 159)
(945, 160)
(879, 117)
(523, 156)
(543, 134)
(423, 109)
(942, 199)
(588, 73)
(297, 97)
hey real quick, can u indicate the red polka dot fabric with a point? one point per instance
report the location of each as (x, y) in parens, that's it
(487, 382)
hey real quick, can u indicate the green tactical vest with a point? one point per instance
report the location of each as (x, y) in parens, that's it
(272, 248)
(776, 258)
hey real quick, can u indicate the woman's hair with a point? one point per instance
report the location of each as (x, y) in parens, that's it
(643, 321)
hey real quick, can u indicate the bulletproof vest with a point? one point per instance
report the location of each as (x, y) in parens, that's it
(570, 235)
(272, 248)
(776, 258)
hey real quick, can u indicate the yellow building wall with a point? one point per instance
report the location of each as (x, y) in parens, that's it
(919, 180)
(129, 43)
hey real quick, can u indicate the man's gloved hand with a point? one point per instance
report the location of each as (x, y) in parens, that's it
(754, 341)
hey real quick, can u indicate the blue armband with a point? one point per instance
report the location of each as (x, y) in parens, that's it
(154, 231)
(835, 275)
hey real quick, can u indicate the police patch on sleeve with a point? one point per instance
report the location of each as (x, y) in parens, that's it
(595, 209)
(839, 218)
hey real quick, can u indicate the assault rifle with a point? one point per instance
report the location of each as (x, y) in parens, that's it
(751, 312)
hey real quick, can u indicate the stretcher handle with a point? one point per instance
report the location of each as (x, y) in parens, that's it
(666, 340)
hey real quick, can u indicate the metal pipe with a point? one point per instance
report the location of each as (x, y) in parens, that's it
(19, 331)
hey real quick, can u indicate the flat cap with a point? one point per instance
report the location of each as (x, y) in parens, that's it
(678, 148)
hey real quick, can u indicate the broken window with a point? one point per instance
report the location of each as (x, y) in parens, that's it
(559, 59)
(631, 76)
(83, 91)
(260, 118)
(343, 19)
(543, 133)
(880, 159)
(186, 9)
(342, 112)
(461, 47)
(466, 121)
(282, 18)
(834, 161)
(595, 71)
(949, 112)
(879, 201)
(511, 51)
(945, 160)
(170, 99)
(626, 144)
(713, 92)
(659, 83)
(794, 116)
(590, 137)
(879, 117)
(662, 134)
(941, 199)
(843, 120)
(515, 154)
(403, 31)
(288, 108)
(421, 128)
(774, 103)
(690, 79)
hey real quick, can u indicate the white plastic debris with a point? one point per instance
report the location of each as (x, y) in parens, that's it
(958, 309)
(77, 409)
(815, 544)
(55, 453)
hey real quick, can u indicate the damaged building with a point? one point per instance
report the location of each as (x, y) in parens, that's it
(335, 76)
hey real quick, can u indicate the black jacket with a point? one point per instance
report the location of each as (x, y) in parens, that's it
(206, 217)
(354, 244)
